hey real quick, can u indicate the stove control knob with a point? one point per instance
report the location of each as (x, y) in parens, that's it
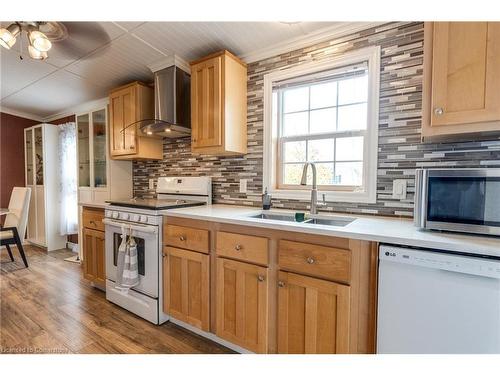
(124, 216)
(115, 215)
(143, 219)
(107, 213)
(136, 217)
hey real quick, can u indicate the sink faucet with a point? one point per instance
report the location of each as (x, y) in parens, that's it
(314, 190)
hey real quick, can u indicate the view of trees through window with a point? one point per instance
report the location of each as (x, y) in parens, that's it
(323, 122)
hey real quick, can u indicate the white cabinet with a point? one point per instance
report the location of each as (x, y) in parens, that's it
(99, 177)
(42, 176)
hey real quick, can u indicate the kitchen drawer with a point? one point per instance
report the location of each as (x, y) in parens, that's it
(242, 247)
(315, 260)
(92, 218)
(186, 238)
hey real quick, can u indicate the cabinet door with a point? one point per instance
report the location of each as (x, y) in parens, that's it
(242, 308)
(100, 259)
(122, 113)
(89, 254)
(186, 286)
(313, 315)
(206, 103)
(465, 73)
(99, 149)
(83, 141)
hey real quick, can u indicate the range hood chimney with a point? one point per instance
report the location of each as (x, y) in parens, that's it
(172, 82)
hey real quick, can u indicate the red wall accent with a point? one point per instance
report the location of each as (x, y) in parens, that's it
(64, 120)
(11, 154)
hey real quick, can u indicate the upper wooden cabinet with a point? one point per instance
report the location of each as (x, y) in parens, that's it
(219, 105)
(127, 105)
(461, 78)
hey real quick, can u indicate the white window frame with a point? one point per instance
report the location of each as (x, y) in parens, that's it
(366, 194)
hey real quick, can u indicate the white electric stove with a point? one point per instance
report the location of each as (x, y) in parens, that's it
(143, 218)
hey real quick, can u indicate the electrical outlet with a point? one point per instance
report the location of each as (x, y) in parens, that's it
(399, 189)
(243, 185)
(151, 184)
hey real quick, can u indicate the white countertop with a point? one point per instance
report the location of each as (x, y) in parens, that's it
(371, 228)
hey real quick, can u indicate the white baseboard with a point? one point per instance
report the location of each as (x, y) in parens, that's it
(211, 336)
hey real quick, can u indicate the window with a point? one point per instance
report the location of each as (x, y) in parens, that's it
(325, 113)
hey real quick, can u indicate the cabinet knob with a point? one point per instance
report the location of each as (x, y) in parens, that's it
(163, 255)
(310, 260)
(261, 278)
(182, 238)
(131, 147)
(438, 111)
(238, 247)
(281, 284)
(92, 222)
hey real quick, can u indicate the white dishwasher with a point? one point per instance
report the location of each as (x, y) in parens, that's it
(437, 302)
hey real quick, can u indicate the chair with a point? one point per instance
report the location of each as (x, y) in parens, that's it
(16, 220)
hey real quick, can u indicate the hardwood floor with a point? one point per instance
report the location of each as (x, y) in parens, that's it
(50, 308)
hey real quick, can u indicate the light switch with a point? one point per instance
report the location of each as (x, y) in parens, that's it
(243, 185)
(151, 183)
(399, 189)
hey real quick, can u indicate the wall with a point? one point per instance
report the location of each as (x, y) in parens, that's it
(64, 120)
(11, 154)
(400, 148)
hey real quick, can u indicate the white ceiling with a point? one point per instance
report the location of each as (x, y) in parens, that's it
(44, 89)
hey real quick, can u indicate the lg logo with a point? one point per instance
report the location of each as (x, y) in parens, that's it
(388, 254)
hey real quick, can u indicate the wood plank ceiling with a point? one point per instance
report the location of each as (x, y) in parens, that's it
(46, 88)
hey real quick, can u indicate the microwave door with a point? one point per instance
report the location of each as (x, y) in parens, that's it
(467, 202)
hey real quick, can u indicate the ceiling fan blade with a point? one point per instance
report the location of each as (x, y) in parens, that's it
(80, 39)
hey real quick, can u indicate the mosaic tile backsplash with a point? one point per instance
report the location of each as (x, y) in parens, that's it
(400, 147)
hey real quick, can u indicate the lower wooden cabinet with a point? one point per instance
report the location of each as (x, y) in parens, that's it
(94, 261)
(313, 315)
(242, 304)
(186, 290)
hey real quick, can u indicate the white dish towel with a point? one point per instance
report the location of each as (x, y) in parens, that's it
(127, 267)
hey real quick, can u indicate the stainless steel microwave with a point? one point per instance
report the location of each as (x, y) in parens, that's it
(458, 200)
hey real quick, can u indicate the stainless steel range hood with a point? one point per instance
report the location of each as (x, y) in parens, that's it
(172, 101)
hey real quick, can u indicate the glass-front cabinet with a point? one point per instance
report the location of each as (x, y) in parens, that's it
(99, 148)
(92, 156)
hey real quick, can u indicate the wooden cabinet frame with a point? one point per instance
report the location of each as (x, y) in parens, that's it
(362, 283)
(459, 123)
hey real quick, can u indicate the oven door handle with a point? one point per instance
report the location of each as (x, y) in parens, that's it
(136, 227)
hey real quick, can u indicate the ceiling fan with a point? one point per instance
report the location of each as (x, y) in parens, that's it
(71, 39)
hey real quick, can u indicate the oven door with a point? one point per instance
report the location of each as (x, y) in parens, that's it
(146, 237)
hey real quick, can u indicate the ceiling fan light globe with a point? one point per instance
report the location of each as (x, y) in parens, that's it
(40, 41)
(7, 39)
(36, 54)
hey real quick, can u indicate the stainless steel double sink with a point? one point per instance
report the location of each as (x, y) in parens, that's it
(340, 221)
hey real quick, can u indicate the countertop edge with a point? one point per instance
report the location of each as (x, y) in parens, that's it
(418, 238)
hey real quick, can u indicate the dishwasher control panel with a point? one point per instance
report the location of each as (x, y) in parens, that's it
(441, 260)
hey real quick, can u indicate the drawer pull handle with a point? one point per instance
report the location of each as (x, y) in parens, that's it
(238, 247)
(260, 278)
(310, 260)
(182, 238)
(281, 284)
